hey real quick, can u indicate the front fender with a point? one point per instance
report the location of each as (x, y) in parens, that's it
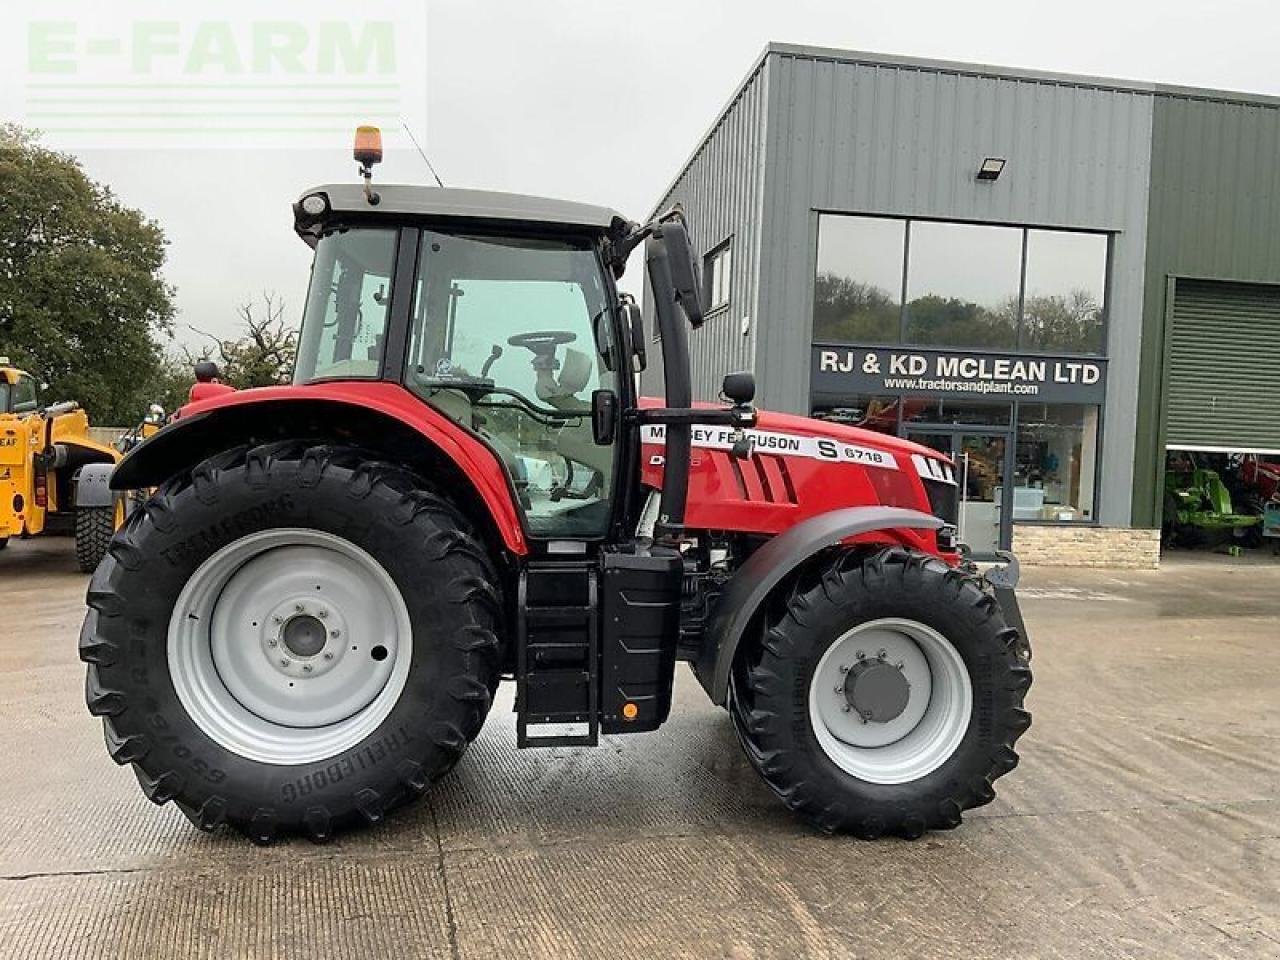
(382, 417)
(773, 563)
(93, 485)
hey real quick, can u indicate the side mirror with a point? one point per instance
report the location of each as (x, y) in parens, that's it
(207, 372)
(684, 269)
(635, 322)
(740, 387)
(604, 416)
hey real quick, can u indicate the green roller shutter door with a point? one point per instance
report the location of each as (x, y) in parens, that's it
(1224, 366)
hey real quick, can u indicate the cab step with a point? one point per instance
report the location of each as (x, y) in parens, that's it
(558, 654)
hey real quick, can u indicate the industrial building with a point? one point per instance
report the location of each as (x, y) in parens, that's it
(1057, 279)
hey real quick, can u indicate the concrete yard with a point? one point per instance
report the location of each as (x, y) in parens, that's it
(1144, 820)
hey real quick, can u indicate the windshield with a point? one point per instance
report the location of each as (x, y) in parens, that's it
(510, 338)
(4, 396)
(344, 325)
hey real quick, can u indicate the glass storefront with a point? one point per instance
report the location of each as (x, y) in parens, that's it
(1056, 462)
(1007, 374)
(966, 285)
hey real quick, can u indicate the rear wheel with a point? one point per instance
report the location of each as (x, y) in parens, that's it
(292, 640)
(94, 528)
(885, 697)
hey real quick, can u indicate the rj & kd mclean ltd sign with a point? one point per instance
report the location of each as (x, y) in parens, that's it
(841, 371)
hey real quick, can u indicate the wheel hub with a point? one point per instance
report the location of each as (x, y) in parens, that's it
(877, 690)
(304, 635)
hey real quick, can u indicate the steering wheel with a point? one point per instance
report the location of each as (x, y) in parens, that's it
(539, 340)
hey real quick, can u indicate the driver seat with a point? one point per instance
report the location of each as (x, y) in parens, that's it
(575, 374)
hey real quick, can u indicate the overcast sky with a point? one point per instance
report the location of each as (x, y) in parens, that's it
(602, 101)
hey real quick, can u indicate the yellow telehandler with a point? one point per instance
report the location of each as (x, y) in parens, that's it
(53, 476)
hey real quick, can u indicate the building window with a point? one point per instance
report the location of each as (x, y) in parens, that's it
(968, 286)
(717, 270)
(955, 411)
(962, 285)
(858, 287)
(1056, 462)
(1065, 288)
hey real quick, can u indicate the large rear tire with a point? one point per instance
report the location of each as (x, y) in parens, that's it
(292, 639)
(885, 696)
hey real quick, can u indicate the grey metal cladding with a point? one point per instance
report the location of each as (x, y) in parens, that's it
(875, 137)
(720, 189)
(1214, 207)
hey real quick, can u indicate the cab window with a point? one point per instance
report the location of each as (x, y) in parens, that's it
(509, 338)
(25, 397)
(344, 324)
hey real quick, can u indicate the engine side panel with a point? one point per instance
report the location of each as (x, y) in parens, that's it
(798, 469)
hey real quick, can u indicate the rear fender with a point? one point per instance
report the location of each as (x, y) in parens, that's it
(772, 564)
(382, 418)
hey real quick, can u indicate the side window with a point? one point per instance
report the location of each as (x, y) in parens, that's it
(25, 396)
(510, 339)
(345, 322)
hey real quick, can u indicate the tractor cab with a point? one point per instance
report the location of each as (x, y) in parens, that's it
(497, 311)
(19, 391)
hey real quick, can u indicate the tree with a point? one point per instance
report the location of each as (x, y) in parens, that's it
(83, 304)
(263, 355)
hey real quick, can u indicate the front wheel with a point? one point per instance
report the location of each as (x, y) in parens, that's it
(94, 528)
(884, 697)
(291, 639)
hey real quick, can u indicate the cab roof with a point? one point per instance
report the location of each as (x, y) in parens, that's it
(455, 203)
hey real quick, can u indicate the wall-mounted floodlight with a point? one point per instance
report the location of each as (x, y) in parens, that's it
(991, 169)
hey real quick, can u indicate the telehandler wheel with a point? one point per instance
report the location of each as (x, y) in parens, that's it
(95, 526)
(885, 696)
(292, 639)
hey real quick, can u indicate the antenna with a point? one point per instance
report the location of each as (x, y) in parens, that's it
(421, 152)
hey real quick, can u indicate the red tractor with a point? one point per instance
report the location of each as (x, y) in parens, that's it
(306, 623)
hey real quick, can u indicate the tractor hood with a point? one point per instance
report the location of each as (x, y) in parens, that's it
(801, 468)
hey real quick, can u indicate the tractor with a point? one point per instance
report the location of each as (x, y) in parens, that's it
(305, 624)
(53, 476)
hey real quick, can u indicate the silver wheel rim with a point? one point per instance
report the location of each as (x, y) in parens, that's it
(289, 646)
(929, 728)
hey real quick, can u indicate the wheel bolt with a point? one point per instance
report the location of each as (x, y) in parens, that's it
(271, 643)
(861, 655)
(328, 656)
(844, 668)
(297, 608)
(306, 668)
(335, 634)
(277, 619)
(882, 654)
(322, 614)
(845, 708)
(284, 662)
(839, 689)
